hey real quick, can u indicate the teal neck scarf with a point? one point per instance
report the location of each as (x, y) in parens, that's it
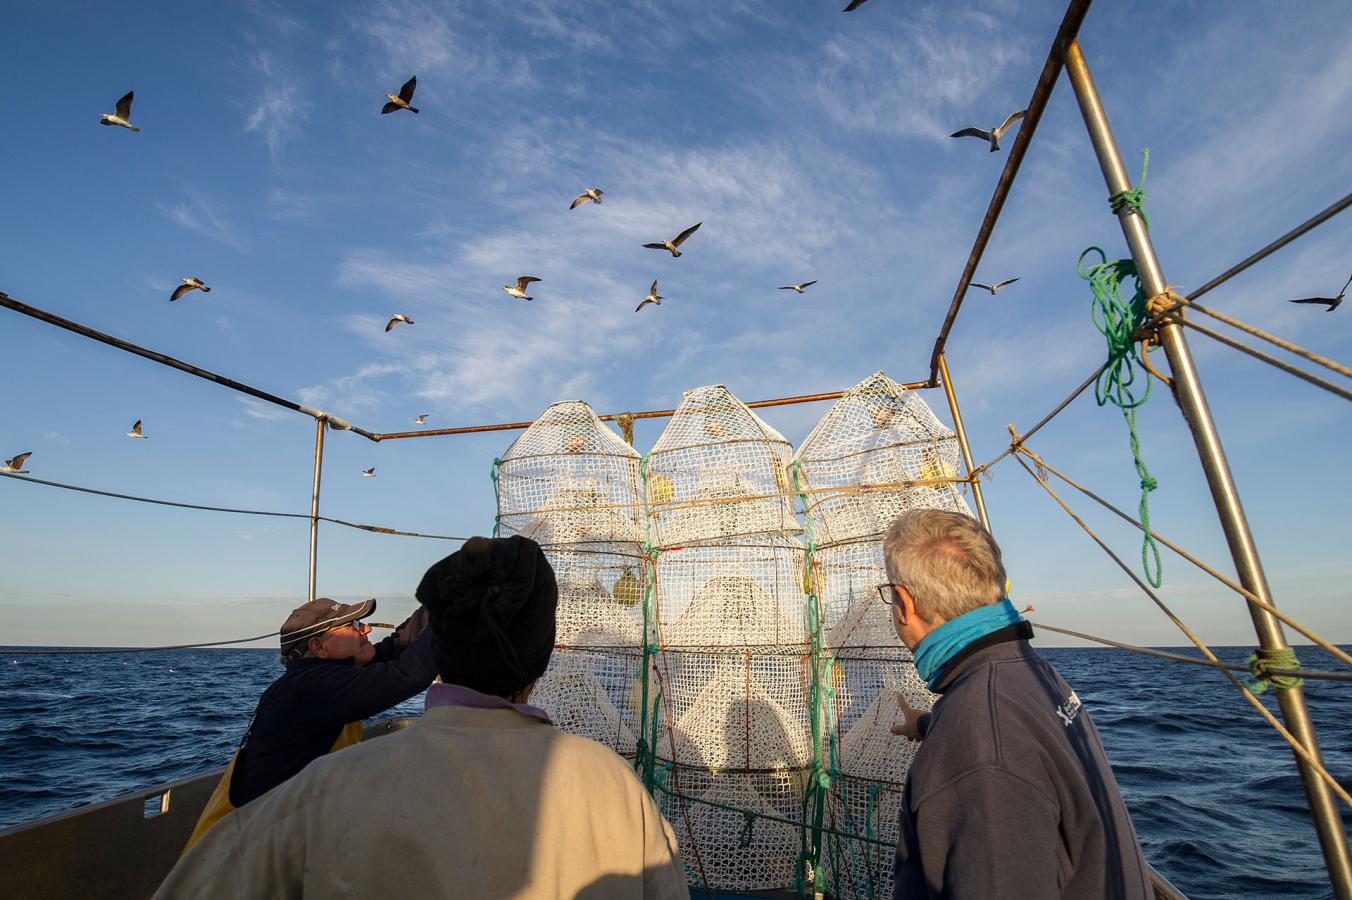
(945, 642)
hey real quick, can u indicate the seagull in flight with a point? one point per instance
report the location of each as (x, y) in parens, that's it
(806, 284)
(136, 431)
(421, 420)
(854, 4)
(15, 465)
(518, 290)
(122, 116)
(369, 473)
(653, 297)
(592, 194)
(675, 242)
(404, 100)
(1332, 302)
(994, 287)
(189, 284)
(396, 319)
(994, 134)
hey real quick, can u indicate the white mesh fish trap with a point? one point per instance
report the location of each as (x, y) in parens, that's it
(718, 470)
(568, 479)
(753, 679)
(858, 465)
(572, 485)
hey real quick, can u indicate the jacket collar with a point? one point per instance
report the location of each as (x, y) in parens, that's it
(1019, 631)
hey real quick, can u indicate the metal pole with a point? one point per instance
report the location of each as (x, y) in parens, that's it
(1192, 401)
(962, 441)
(314, 503)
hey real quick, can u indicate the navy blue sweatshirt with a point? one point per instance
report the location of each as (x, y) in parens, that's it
(1011, 794)
(302, 713)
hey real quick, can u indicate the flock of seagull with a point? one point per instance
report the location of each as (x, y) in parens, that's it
(121, 116)
(404, 100)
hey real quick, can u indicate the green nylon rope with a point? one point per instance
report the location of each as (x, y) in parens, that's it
(1118, 320)
(1133, 198)
(645, 751)
(497, 496)
(819, 780)
(1260, 660)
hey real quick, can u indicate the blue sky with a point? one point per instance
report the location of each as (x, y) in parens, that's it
(810, 143)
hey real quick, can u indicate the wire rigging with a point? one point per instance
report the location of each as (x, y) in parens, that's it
(226, 509)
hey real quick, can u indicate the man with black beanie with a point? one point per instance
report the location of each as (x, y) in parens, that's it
(481, 797)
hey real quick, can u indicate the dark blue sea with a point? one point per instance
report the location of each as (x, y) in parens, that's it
(1212, 789)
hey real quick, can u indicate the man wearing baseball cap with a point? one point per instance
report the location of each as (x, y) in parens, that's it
(335, 677)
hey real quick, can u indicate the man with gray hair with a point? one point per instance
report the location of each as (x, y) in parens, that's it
(1010, 794)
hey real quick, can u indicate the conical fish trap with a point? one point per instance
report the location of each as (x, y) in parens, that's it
(718, 470)
(854, 616)
(869, 751)
(742, 593)
(853, 463)
(734, 723)
(600, 595)
(580, 704)
(569, 479)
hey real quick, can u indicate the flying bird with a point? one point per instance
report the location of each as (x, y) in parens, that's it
(675, 242)
(369, 473)
(1332, 302)
(396, 319)
(189, 284)
(15, 465)
(122, 116)
(854, 4)
(518, 290)
(994, 287)
(806, 284)
(994, 134)
(136, 431)
(421, 420)
(653, 297)
(592, 194)
(404, 100)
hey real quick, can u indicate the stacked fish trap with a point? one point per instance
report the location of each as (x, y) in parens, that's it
(572, 485)
(751, 677)
(733, 746)
(878, 452)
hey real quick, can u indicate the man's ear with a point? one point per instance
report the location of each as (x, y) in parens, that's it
(906, 605)
(316, 646)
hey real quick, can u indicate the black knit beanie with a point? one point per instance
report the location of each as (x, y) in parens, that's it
(491, 607)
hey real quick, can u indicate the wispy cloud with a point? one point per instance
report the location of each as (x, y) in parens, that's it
(264, 412)
(917, 78)
(56, 437)
(197, 215)
(279, 109)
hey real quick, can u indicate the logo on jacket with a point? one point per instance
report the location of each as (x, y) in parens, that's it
(1070, 709)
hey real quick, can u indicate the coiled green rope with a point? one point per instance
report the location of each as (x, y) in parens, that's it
(1118, 320)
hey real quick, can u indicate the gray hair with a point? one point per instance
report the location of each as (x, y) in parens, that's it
(945, 560)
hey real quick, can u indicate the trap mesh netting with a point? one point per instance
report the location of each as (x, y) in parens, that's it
(719, 621)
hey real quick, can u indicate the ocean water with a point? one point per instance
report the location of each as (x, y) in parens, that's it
(1212, 789)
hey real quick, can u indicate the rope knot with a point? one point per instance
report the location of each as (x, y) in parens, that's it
(1148, 483)
(1261, 660)
(1133, 198)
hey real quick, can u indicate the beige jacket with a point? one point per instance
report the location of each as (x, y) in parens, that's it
(464, 803)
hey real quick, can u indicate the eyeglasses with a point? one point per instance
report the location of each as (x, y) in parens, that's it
(887, 593)
(358, 626)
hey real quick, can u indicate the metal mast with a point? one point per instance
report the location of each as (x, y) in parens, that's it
(1192, 402)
